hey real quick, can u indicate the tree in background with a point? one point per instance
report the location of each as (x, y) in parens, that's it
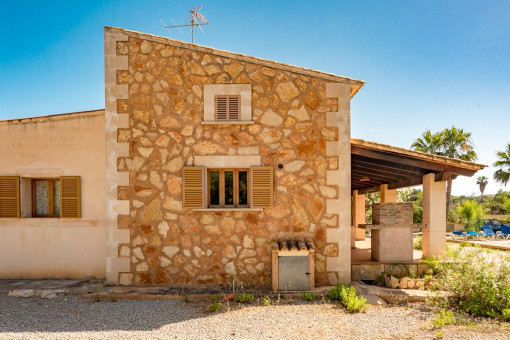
(416, 197)
(503, 174)
(482, 182)
(453, 143)
(470, 210)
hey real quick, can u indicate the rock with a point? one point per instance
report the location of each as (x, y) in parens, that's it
(134, 164)
(315, 206)
(174, 184)
(269, 136)
(142, 267)
(174, 165)
(124, 251)
(247, 253)
(198, 251)
(207, 148)
(23, 293)
(163, 229)
(333, 280)
(299, 219)
(155, 180)
(141, 115)
(125, 279)
(294, 166)
(301, 113)
(234, 69)
(278, 210)
(395, 283)
(229, 252)
(187, 131)
(170, 251)
(138, 253)
(403, 283)
(271, 118)
(212, 69)
(162, 141)
(248, 242)
(164, 261)
(307, 149)
(168, 51)
(328, 192)
(312, 100)
(152, 212)
(230, 268)
(248, 150)
(51, 293)
(172, 204)
(146, 47)
(227, 226)
(287, 91)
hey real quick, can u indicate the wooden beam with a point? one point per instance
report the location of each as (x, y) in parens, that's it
(366, 172)
(413, 162)
(383, 167)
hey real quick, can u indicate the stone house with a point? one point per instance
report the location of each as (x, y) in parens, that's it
(200, 159)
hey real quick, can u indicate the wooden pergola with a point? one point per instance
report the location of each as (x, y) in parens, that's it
(374, 164)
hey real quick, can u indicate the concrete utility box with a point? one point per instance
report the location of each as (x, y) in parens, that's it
(293, 264)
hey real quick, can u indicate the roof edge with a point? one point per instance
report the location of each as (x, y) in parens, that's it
(355, 83)
(58, 116)
(416, 154)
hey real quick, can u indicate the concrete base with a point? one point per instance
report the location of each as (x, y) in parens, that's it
(392, 244)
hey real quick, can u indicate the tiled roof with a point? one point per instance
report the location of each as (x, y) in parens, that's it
(355, 83)
(293, 243)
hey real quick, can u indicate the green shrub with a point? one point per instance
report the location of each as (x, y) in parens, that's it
(470, 210)
(214, 307)
(347, 295)
(443, 318)
(267, 301)
(308, 296)
(215, 298)
(475, 280)
(244, 298)
(506, 314)
(418, 243)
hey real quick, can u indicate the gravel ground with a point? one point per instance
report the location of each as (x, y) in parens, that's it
(69, 317)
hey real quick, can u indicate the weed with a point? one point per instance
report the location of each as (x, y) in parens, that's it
(278, 300)
(214, 307)
(267, 301)
(347, 295)
(439, 335)
(215, 298)
(186, 298)
(113, 298)
(308, 296)
(96, 298)
(244, 298)
(443, 318)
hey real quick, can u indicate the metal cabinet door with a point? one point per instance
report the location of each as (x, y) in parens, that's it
(293, 273)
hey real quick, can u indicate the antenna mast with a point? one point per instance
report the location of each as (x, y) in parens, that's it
(196, 18)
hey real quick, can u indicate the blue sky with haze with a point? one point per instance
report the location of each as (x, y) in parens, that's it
(427, 64)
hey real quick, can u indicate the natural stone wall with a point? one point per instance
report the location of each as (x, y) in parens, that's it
(172, 245)
(392, 213)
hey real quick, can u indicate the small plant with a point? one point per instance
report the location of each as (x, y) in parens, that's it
(506, 314)
(347, 295)
(216, 298)
(113, 298)
(214, 307)
(278, 300)
(439, 334)
(96, 298)
(443, 318)
(244, 298)
(308, 296)
(267, 301)
(418, 243)
(186, 298)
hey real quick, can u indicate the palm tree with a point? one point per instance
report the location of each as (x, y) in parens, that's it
(453, 143)
(503, 174)
(482, 182)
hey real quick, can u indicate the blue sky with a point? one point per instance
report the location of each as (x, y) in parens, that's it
(427, 64)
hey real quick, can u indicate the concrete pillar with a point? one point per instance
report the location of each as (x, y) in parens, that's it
(358, 216)
(388, 196)
(434, 212)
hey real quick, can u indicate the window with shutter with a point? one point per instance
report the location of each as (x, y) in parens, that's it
(227, 107)
(70, 197)
(262, 186)
(193, 186)
(9, 197)
(228, 188)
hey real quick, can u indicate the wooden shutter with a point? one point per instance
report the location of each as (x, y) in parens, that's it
(193, 188)
(227, 107)
(261, 186)
(70, 197)
(9, 197)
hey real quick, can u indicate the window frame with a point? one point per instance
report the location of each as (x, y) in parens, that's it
(222, 204)
(51, 208)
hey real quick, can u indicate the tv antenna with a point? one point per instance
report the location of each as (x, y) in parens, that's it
(196, 19)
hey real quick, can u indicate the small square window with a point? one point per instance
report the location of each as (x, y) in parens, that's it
(228, 188)
(227, 107)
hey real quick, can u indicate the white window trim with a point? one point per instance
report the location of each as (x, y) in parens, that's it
(242, 90)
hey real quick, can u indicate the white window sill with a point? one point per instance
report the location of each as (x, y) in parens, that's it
(228, 122)
(227, 209)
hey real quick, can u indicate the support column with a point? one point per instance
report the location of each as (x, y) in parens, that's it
(434, 212)
(358, 217)
(388, 196)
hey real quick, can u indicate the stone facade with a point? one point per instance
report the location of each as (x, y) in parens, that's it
(170, 244)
